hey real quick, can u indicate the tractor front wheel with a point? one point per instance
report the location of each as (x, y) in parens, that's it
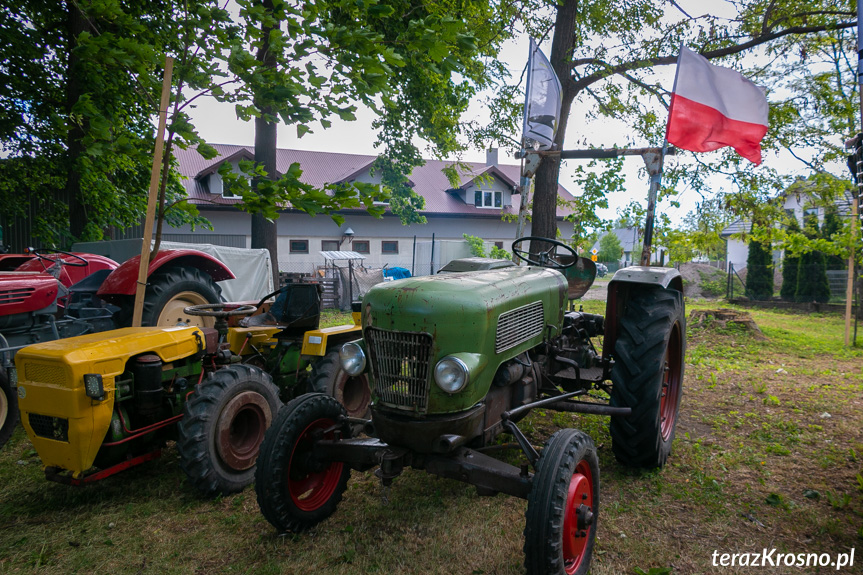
(648, 376)
(563, 506)
(296, 490)
(8, 408)
(223, 425)
(353, 392)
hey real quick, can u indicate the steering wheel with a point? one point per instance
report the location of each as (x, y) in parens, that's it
(218, 310)
(544, 259)
(40, 253)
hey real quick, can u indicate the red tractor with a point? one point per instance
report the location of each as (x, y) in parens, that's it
(50, 294)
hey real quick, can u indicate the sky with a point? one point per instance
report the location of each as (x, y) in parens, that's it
(217, 123)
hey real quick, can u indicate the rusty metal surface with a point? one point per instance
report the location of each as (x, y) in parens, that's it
(579, 277)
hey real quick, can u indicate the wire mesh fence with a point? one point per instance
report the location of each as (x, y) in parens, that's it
(808, 283)
(346, 280)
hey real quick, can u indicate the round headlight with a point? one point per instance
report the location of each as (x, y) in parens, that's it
(451, 374)
(352, 358)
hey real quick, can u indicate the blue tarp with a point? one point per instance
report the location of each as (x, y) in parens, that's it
(397, 273)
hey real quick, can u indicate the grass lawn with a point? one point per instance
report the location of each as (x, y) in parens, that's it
(768, 454)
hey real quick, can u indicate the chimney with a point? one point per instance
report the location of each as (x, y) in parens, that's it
(491, 157)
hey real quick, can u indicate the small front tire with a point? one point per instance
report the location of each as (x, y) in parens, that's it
(296, 491)
(223, 426)
(563, 507)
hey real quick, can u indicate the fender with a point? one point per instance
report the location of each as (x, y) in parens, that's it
(71, 274)
(624, 281)
(9, 262)
(122, 281)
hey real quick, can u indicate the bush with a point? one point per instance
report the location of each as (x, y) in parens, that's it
(812, 283)
(790, 265)
(759, 271)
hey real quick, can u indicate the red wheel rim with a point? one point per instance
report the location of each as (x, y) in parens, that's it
(670, 384)
(241, 428)
(578, 517)
(310, 486)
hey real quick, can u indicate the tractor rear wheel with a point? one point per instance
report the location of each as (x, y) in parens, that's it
(8, 408)
(563, 506)
(169, 291)
(296, 490)
(223, 425)
(353, 392)
(648, 376)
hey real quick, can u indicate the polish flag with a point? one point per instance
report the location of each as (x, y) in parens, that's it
(713, 107)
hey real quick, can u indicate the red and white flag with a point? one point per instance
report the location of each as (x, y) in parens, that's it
(713, 107)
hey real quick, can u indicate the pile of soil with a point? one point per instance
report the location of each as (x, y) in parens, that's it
(700, 281)
(703, 281)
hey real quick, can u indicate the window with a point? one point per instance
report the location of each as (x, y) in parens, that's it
(299, 246)
(810, 212)
(487, 199)
(226, 191)
(389, 247)
(498, 245)
(381, 200)
(361, 246)
(330, 245)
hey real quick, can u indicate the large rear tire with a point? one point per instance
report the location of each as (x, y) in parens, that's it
(169, 291)
(223, 426)
(295, 490)
(648, 376)
(8, 408)
(563, 507)
(352, 392)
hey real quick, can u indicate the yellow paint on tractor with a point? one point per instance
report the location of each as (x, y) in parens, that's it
(51, 385)
(258, 336)
(315, 341)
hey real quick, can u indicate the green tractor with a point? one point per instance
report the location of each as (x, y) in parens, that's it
(97, 404)
(456, 359)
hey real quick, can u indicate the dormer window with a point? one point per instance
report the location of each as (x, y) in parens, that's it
(380, 200)
(487, 199)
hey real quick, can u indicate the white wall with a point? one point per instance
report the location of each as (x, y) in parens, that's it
(365, 227)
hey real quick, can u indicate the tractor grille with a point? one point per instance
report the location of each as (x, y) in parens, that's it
(56, 428)
(400, 365)
(43, 373)
(519, 325)
(12, 296)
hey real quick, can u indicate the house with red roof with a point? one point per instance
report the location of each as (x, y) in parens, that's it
(478, 206)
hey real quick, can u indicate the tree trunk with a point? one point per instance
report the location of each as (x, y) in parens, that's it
(544, 215)
(264, 233)
(76, 24)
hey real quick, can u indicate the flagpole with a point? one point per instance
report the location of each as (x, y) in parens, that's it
(849, 290)
(524, 181)
(654, 168)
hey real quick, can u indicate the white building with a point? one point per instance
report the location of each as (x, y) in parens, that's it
(485, 194)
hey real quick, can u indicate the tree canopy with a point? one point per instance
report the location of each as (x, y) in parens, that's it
(610, 249)
(78, 115)
(607, 55)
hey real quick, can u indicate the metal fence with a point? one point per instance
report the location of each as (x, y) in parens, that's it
(822, 286)
(344, 280)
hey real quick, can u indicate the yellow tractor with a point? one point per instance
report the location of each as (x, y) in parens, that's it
(100, 403)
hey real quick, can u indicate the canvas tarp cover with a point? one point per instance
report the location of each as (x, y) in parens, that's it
(251, 267)
(363, 280)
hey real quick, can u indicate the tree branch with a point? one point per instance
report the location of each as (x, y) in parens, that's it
(710, 54)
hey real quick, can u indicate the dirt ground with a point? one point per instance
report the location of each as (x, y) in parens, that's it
(694, 277)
